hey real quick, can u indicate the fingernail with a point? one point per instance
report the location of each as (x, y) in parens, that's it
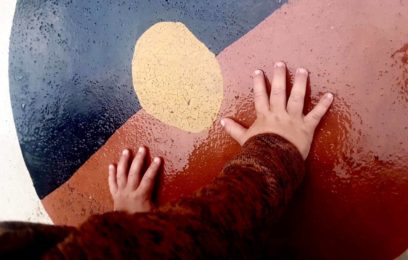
(125, 152)
(301, 71)
(156, 159)
(111, 167)
(141, 149)
(279, 64)
(222, 122)
(258, 72)
(330, 96)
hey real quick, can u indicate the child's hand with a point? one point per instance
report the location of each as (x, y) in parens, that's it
(276, 116)
(130, 189)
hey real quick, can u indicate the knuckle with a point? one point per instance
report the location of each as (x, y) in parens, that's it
(296, 98)
(258, 95)
(118, 193)
(148, 179)
(305, 131)
(132, 174)
(260, 115)
(139, 196)
(277, 118)
(276, 91)
(316, 116)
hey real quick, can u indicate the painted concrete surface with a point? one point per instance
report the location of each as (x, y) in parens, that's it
(176, 78)
(18, 200)
(354, 201)
(70, 70)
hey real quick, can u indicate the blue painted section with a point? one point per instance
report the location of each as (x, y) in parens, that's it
(70, 70)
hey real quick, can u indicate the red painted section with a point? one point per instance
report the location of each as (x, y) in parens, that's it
(354, 201)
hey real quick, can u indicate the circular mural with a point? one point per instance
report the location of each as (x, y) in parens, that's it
(89, 78)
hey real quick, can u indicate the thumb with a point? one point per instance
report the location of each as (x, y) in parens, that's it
(235, 130)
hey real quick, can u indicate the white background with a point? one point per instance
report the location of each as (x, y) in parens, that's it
(18, 200)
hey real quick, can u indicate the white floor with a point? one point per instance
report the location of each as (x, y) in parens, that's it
(18, 200)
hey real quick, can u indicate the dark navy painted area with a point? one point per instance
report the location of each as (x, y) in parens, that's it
(70, 70)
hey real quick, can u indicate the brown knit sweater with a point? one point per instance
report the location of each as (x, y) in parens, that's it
(229, 218)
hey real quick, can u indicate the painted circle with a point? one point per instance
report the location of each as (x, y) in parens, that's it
(353, 202)
(176, 78)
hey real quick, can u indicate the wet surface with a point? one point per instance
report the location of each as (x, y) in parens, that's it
(354, 200)
(177, 78)
(70, 70)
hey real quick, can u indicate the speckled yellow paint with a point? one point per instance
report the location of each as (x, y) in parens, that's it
(176, 77)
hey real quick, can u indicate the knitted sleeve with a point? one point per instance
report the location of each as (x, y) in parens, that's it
(227, 218)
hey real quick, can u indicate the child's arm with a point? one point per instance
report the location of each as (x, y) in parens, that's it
(231, 216)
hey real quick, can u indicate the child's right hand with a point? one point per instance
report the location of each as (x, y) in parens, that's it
(274, 114)
(130, 186)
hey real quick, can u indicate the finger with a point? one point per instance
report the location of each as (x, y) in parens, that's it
(113, 186)
(135, 171)
(260, 93)
(297, 95)
(314, 116)
(278, 90)
(235, 130)
(122, 170)
(147, 184)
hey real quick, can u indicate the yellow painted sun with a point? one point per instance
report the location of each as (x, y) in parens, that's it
(176, 77)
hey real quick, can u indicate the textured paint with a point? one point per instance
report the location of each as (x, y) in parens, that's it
(354, 201)
(176, 78)
(70, 70)
(15, 182)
